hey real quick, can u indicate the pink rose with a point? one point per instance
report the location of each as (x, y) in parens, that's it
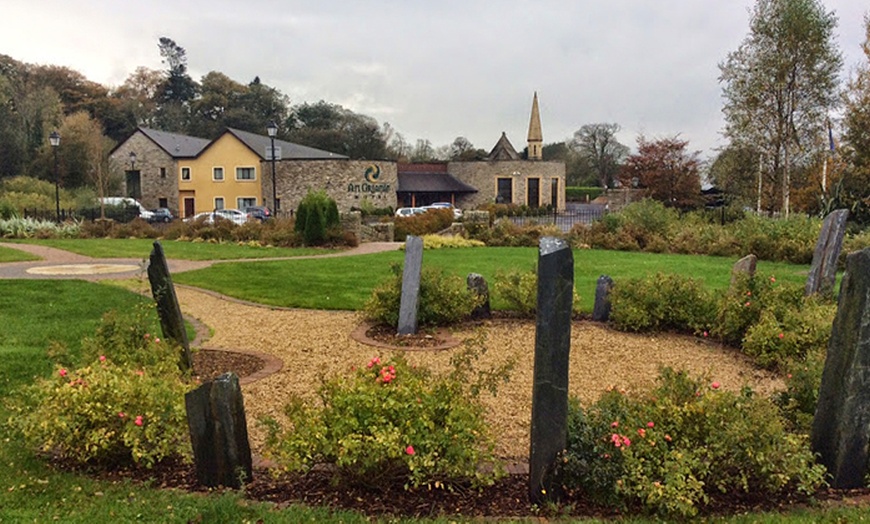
(714, 385)
(781, 335)
(410, 450)
(138, 420)
(62, 372)
(102, 358)
(121, 414)
(650, 424)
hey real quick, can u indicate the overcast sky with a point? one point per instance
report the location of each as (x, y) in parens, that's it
(433, 69)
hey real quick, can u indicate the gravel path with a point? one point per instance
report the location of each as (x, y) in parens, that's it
(316, 344)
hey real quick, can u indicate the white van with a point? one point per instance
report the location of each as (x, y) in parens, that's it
(129, 202)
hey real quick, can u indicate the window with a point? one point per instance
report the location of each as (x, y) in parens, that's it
(505, 191)
(243, 202)
(217, 174)
(218, 202)
(533, 192)
(163, 174)
(185, 173)
(246, 173)
(162, 202)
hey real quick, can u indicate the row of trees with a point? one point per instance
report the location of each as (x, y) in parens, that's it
(779, 87)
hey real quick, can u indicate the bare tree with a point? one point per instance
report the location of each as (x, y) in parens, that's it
(598, 146)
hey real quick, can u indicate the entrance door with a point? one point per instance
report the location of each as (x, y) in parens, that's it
(534, 192)
(189, 207)
(134, 185)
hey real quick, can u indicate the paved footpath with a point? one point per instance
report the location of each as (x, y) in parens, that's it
(60, 264)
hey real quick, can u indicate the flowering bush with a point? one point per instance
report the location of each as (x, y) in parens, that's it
(675, 450)
(662, 302)
(389, 421)
(444, 299)
(520, 291)
(124, 405)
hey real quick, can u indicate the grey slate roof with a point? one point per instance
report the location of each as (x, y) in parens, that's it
(177, 146)
(503, 150)
(415, 182)
(259, 144)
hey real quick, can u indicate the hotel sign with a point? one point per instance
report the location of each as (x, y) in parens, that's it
(371, 182)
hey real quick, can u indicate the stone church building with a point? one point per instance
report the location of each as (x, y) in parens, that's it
(190, 175)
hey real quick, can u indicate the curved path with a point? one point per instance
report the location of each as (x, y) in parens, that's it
(60, 264)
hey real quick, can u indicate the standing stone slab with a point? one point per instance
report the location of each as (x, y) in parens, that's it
(744, 266)
(171, 320)
(823, 271)
(477, 285)
(219, 433)
(550, 384)
(841, 427)
(410, 285)
(601, 309)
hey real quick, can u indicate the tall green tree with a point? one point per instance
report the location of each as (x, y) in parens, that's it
(331, 127)
(779, 86)
(597, 146)
(177, 90)
(854, 189)
(735, 171)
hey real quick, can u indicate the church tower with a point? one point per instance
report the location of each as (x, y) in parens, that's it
(536, 139)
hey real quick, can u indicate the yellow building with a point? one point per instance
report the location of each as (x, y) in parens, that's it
(226, 174)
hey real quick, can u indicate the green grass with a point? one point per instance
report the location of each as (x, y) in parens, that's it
(8, 254)
(183, 250)
(347, 282)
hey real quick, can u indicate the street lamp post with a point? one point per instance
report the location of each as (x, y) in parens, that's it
(272, 129)
(54, 140)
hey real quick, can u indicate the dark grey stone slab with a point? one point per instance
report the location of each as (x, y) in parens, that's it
(410, 285)
(841, 426)
(219, 433)
(550, 383)
(163, 291)
(477, 284)
(601, 308)
(823, 270)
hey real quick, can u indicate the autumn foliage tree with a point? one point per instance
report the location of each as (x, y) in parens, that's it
(666, 171)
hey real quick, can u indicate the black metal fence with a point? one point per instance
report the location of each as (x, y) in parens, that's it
(117, 213)
(565, 218)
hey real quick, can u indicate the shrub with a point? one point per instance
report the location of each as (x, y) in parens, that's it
(803, 380)
(440, 242)
(391, 422)
(430, 222)
(673, 451)
(505, 233)
(316, 214)
(520, 291)
(662, 302)
(444, 299)
(111, 412)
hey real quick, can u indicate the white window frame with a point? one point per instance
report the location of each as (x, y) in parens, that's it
(219, 203)
(186, 174)
(214, 174)
(253, 170)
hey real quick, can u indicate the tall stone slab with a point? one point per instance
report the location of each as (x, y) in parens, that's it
(841, 426)
(163, 291)
(601, 308)
(550, 384)
(219, 433)
(477, 285)
(823, 271)
(410, 285)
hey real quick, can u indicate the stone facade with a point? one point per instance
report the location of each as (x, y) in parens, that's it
(158, 172)
(484, 176)
(348, 182)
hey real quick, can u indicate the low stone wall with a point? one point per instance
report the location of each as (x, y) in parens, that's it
(379, 232)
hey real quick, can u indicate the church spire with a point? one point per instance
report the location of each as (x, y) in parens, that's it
(536, 139)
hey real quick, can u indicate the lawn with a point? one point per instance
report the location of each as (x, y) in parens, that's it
(15, 255)
(184, 250)
(33, 314)
(347, 282)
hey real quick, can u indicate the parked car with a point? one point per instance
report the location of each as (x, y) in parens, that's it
(234, 215)
(161, 214)
(259, 212)
(408, 211)
(457, 213)
(127, 202)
